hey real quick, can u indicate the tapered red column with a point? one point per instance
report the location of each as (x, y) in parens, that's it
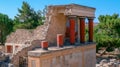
(72, 31)
(82, 30)
(90, 29)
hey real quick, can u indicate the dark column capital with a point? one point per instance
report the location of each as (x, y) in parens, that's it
(90, 18)
(71, 16)
(82, 17)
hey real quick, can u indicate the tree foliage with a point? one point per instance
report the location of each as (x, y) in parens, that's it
(27, 18)
(107, 33)
(6, 26)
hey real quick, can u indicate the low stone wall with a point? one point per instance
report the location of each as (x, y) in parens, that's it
(70, 56)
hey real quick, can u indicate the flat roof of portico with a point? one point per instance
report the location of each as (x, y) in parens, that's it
(73, 10)
(72, 4)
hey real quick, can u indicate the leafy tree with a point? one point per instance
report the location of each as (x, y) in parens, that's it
(27, 17)
(6, 26)
(107, 33)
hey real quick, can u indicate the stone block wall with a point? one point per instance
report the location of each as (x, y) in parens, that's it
(21, 36)
(79, 56)
(2, 48)
(57, 26)
(24, 52)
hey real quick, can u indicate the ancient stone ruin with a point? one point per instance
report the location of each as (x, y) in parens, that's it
(68, 20)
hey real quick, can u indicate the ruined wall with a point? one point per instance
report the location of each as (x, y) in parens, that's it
(79, 56)
(24, 52)
(47, 32)
(57, 26)
(40, 33)
(21, 36)
(2, 48)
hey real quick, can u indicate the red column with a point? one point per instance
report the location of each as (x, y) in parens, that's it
(90, 29)
(72, 31)
(44, 45)
(82, 30)
(60, 40)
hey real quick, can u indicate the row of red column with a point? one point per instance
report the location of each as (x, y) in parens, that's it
(82, 30)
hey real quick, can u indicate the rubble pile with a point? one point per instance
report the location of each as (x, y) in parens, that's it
(108, 63)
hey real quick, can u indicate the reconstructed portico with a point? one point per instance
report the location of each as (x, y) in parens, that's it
(75, 23)
(68, 21)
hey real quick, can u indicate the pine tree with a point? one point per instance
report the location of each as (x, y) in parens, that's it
(27, 17)
(107, 33)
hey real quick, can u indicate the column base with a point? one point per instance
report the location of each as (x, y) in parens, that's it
(45, 48)
(90, 41)
(82, 42)
(72, 43)
(60, 46)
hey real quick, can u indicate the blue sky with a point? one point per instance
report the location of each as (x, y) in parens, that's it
(103, 7)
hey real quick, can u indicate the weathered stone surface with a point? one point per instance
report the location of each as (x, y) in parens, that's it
(104, 61)
(20, 36)
(110, 63)
(79, 56)
(74, 9)
(88, 56)
(2, 48)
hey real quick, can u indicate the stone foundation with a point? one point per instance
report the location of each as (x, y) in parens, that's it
(69, 56)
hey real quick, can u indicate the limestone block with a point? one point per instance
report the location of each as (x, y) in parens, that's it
(104, 61)
(10, 65)
(116, 64)
(113, 60)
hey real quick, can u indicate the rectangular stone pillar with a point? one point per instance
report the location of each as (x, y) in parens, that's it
(90, 25)
(60, 40)
(72, 31)
(82, 30)
(44, 45)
